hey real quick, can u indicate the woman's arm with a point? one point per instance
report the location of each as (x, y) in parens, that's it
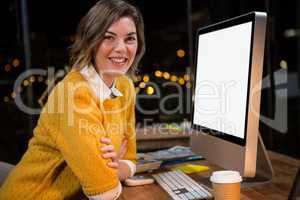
(125, 168)
(79, 126)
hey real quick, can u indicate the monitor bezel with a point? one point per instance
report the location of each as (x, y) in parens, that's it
(250, 17)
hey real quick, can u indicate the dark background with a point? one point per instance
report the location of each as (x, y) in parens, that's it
(170, 25)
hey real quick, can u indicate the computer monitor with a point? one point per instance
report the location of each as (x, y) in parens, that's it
(226, 94)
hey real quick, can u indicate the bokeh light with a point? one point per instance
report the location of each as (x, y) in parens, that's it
(180, 53)
(186, 77)
(13, 94)
(150, 90)
(142, 85)
(166, 75)
(25, 83)
(181, 81)
(158, 73)
(16, 62)
(283, 64)
(174, 78)
(146, 78)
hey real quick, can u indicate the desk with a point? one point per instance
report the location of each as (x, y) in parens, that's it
(285, 170)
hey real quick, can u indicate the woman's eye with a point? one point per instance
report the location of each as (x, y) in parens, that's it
(131, 39)
(108, 37)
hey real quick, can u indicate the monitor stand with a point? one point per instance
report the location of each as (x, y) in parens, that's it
(264, 169)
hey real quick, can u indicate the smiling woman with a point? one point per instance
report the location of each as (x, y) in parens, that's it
(84, 143)
(94, 28)
(116, 52)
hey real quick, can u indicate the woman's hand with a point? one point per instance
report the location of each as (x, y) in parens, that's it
(108, 151)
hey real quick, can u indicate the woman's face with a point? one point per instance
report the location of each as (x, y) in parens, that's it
(116, 52)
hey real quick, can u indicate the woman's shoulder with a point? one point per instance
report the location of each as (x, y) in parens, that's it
(73, 82)
(74, 76)
(71, 88)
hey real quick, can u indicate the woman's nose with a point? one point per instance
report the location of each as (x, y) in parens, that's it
(120, 45)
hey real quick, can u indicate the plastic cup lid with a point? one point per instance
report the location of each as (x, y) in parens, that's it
(225, 177)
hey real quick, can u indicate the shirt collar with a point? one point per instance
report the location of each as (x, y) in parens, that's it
(98, 86)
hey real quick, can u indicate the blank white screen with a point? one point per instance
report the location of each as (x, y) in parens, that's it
(222, 78)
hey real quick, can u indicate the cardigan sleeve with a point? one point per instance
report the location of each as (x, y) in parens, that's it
(80, 128)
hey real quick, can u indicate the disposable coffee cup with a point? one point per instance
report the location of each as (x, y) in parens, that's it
(226, 185)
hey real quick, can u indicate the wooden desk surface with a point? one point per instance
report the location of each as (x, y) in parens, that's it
(285, 170)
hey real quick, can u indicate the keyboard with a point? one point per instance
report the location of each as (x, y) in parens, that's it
(180, 186)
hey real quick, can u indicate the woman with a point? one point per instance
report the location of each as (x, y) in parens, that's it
(89, 116)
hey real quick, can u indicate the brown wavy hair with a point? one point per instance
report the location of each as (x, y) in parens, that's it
(93, 25)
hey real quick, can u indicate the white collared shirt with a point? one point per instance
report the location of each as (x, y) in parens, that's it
(98, 86)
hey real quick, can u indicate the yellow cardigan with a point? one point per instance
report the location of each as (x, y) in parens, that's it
(64, 155)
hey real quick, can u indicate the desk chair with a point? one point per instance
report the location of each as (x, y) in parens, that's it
(5, 168)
